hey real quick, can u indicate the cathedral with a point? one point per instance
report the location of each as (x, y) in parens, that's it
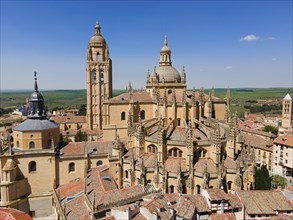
(164, 137)
(178, 140)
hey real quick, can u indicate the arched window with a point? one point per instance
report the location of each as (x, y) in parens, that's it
(99, 163)
(198, 189)
(17, 144)
(142, 114)
(171, 189)
(152, 149)
(98, 56)
(169, 91)
(178, 121)
(94, 76)
(122, 116)
(71, 167)
(126, 174)
(229, 185)
(175, 152)
(32, 145)
(32, 166)
(102, 75)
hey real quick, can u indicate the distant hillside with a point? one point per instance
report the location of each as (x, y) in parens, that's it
(75, 98)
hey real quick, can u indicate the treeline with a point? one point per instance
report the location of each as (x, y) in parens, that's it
(263, 108)
(4, 111)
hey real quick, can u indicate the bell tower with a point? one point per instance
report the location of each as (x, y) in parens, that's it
(287, 111)
(98, 78)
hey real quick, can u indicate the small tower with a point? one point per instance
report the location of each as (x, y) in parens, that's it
(287, 111)
(165, 54)
(98, 78)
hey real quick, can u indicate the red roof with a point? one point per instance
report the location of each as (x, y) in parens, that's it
(71, 188)
(284, 140)
(13, 214)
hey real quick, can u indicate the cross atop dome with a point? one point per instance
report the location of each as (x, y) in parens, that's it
(36, 83)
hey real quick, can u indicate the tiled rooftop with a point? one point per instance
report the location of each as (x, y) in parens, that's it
(216, 194)
(13, 214)
(172, 165)
(264, 201)
(70, 188)
(222, 216)
(77, 209)
(96, 147)
(284, 140)
(258, 142)
(69, 119)
(201, 163)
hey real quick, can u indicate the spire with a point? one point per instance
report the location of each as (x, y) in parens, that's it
(98, 28)
(165, 40)
(165, 54)
(36, 103)
(36, 83)
(183, 74)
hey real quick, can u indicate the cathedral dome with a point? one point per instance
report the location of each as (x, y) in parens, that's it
(168, 73)
(97, 39)
(36, 96)
(165, 49)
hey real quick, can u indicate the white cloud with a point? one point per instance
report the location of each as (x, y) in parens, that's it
(274, 59)
(250, 37)
(228, 67)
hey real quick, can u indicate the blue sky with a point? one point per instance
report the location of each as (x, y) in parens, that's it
(221, 43)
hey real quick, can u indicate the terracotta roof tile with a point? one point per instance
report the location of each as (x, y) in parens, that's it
(264, 201)
(95, 147)
(261, 133)
(73, 148)
(70, 188)
(69, 119)
(284, 140)
(258, 142)
(229, 163)
(172, 165)
(216, 194)
(223, 216)
(139, 216)
(77, 209)
(233, 200)
(149, 160)
(202, 162)
(137, 96)
(13, 214)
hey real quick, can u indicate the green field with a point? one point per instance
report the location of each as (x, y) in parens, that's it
(57, 98)
(75, 98)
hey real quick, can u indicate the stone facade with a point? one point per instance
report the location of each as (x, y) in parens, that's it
(177, 140)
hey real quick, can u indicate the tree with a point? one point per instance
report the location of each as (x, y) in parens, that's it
(270, 128)
(82, 109)
(262, 179)
(279, 181)
(80, 136)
